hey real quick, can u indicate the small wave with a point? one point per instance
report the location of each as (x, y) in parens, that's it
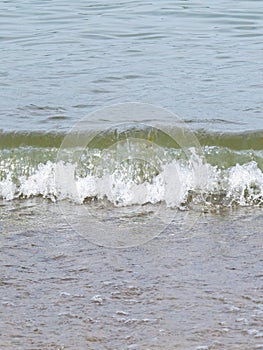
(235, 141)
(220, 178)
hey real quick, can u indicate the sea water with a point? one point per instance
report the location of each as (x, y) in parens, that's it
(129, 227)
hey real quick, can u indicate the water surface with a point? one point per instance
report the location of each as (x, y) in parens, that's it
(59, 61)
(187, 274)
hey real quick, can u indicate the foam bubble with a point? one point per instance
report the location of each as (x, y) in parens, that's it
(179, 181)
(245, 184)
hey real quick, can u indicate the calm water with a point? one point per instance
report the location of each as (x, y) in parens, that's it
(144, 239)
(61, 60)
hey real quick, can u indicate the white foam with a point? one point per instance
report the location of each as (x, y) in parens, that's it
(7, 188)
(240, 184)
(245, 183)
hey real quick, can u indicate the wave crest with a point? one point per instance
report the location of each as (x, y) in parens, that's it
(176, 182)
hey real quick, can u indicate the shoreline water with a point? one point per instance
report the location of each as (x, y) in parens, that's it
(158, 250)
(58, 290)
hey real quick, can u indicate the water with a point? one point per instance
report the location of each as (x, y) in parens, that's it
(61, 60)
(142, 235)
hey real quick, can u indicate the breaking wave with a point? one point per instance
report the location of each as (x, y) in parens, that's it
(221, 177)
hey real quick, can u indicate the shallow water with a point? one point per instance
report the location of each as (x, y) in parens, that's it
(59, 291)
(158, 250)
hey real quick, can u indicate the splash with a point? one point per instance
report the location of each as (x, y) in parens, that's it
(176, 181)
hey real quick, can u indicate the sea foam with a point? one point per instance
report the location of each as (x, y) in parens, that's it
(178, 182)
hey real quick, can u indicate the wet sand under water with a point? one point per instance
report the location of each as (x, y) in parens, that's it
(59, 291)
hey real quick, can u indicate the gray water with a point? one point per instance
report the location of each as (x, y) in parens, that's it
(61, 60)
(59, 291)
(197, 286)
